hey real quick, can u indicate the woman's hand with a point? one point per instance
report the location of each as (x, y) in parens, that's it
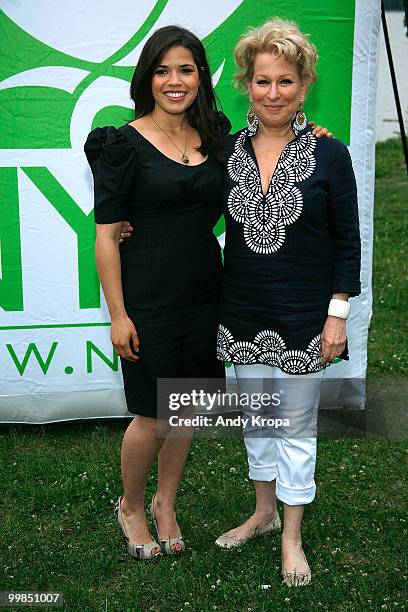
(125, 231)
(333, 338)
(320, 131)
(123, 333)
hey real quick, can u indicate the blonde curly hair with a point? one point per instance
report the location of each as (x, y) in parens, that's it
(281, 38)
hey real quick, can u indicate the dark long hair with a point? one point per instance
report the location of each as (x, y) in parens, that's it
(203, 113)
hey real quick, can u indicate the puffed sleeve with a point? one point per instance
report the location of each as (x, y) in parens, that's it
(344, 225)
(111, 158)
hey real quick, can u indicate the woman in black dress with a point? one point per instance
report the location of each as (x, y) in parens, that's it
(292, 260)
(163, 173)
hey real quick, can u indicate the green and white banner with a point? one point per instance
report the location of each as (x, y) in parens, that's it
(66, 68)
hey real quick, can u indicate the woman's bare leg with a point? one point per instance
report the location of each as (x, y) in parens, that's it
(264, 512)
(139, 451)
(293, 559)
(172, 458)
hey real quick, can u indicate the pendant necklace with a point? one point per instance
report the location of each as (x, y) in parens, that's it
(184, 157)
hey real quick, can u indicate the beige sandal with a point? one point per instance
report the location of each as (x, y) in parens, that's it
(297, 578)
(227, 541)
(170, 542)
(141, 552)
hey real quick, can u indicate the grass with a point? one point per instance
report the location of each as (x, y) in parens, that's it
(59, 484)
(388, 348)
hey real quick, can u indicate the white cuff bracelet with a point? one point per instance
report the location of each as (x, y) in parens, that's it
(339, 308)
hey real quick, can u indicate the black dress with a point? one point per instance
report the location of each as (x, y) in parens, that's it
(171, 266)
(286, 252)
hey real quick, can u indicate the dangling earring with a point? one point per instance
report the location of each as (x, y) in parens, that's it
(251, 117)
(300, 115)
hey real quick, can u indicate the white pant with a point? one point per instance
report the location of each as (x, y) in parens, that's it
(290, 460)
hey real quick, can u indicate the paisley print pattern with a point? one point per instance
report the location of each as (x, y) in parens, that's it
(265, 217)
(269, 347)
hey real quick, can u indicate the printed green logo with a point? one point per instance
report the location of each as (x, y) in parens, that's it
(57, 83)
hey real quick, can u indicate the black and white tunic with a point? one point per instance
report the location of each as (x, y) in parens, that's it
(288, 251)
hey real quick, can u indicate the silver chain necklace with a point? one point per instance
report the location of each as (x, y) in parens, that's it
(184, 157)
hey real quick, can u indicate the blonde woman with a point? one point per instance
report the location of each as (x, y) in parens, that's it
(292, 260)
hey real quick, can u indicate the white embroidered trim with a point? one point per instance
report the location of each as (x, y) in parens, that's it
(268, 347)
(265, 217)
